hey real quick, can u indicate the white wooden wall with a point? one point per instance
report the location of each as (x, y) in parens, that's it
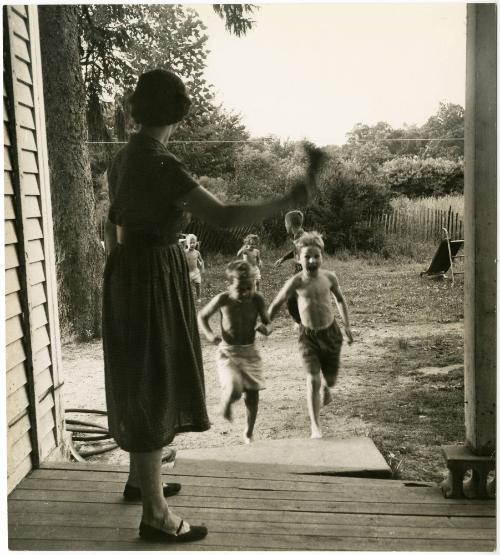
(34, 413)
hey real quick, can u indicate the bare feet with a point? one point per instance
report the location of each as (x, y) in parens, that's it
(247, 439)
(316, 433)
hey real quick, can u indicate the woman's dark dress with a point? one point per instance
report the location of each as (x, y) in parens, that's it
(152, 354)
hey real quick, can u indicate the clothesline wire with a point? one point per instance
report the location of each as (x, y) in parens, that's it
(261, 140)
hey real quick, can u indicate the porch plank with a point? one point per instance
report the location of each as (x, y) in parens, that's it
(244, 541)
(255, 489)
(220, 521)
(260, 503)
(245, 507)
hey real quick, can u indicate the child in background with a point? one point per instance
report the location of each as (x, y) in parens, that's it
(195, 263)
(320, 338)
(294, 220)
(238, 362)
(251, 254)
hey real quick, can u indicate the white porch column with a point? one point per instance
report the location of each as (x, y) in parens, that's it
(480, 228)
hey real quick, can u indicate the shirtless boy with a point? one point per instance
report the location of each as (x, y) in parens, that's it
(195, 263)
(251, 254)
(238, 362)
(320, 338)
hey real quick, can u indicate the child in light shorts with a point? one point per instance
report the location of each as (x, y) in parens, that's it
(239, 365)
(251, 254)
(320, 338)
(195, 263)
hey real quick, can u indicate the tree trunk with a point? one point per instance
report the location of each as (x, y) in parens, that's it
(79, 255)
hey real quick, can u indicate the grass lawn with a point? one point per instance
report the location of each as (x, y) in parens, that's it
(401, 381)
(401, 323)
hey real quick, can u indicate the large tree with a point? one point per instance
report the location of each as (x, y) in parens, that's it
(79, 256)
(87, 52)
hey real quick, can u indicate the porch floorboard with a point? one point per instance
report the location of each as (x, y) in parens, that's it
(71, 506)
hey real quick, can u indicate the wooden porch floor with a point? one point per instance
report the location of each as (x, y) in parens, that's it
(70, 506)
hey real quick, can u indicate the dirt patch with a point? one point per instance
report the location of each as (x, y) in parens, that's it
(401, 324)
(282, 411)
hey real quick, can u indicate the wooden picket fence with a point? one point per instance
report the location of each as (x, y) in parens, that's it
(423, 224)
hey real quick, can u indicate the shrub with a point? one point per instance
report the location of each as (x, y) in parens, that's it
(342, 210)
(416, 177)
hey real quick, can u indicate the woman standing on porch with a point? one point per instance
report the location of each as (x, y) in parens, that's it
(153, 366)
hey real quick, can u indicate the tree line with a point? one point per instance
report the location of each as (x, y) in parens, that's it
(92, 56)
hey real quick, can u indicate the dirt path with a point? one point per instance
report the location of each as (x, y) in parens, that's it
(282, 411)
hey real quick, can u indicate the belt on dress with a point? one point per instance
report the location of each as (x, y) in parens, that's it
(133, 238)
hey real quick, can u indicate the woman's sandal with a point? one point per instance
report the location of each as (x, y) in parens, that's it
(133, 493)
(150, 533)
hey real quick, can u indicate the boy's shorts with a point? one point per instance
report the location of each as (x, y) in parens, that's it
(321, 348)
(195, 276)
(240, 364)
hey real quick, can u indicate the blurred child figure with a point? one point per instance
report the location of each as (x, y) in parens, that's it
(320, 338)
(195, 262)
(294, 220)
(251, 254)
(239, 365)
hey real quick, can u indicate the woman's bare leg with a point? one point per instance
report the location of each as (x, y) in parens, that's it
(155, 510)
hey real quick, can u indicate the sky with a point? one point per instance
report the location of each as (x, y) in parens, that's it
(315, 70)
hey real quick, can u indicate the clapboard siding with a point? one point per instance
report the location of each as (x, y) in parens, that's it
(41, 360)
(17, 403)
(16, 378)
(33, 229)
(13, 329)
(30, 183)
(9, 213)
(12, 305)
(15, 354)
(35, 251)
(12, 281)
(10, 236)
(11, 258)
(7, 183)
(31, 327)
(19, 429)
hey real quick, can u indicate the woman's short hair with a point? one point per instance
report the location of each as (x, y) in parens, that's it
(295, 218)
(310, 239)
(240, 270)
(160, 98)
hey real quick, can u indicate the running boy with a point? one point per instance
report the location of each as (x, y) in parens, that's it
(251, 254)
(238, 362)
(195, 263)
(320, 338)
(294, 220)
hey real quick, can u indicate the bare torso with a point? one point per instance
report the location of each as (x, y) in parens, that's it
(238, 321)
(251, 256)
(192, 259)
(314, 296)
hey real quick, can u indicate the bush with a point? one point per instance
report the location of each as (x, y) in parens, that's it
(416, 177)
(342, 210)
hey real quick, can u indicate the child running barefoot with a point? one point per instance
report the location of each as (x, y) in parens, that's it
(251, 254)
(195, 263)
(320, 338)
(238, 362)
